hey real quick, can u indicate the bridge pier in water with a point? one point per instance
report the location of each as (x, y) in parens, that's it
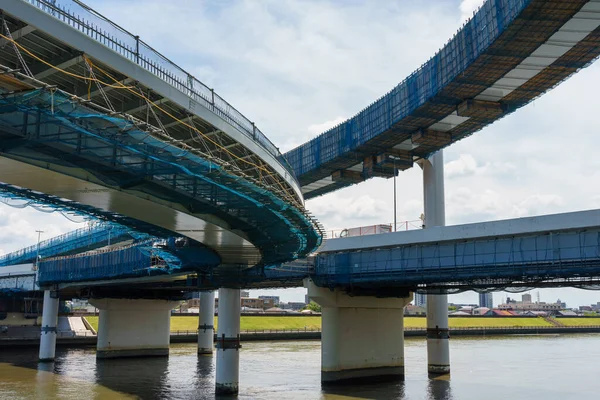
(438, 345)
(228, 342)
(362, 337)
(133, 327)
(49, 322)
(206, 328)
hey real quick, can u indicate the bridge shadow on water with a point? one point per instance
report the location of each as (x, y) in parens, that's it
(437, 389)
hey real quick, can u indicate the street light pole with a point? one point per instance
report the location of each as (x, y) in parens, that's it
(394, 194)
(37, 257)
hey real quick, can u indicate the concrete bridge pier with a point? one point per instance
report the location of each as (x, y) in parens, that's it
(133, 327)
(228, 342)
(438, 346)
(49, 322)
(206, 329)
(362, 337)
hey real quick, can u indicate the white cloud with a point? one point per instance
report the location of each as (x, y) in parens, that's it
(464, 166)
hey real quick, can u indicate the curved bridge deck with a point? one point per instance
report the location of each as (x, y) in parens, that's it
(92, 114)
(508, 54)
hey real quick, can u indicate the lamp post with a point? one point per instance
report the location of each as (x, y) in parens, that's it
(394, 194)
(37, 256)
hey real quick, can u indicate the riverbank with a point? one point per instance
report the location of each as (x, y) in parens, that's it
(252, 323)
(66, 339)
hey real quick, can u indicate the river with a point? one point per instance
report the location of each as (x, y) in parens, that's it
(509, 367)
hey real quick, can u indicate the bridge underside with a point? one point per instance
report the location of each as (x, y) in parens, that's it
(142, 144)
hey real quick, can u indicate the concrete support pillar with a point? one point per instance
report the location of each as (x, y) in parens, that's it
(228, 342)
(362, 338)
(49, 322)
(206, 328)
(133, 327)
(438, 346)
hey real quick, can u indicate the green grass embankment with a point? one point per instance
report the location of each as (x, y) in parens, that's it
(179, 323)
(579, 321)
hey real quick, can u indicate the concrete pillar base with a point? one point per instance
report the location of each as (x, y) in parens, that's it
(48, 330)
(226, 389)
(113, 353)
(362, 338)
(227, 376)
(133, 327)
(438, 369)
(366, 375)
(206, 320)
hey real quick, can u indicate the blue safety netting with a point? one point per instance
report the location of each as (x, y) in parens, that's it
(280, 229)
(82, 239)
(423, 84)
(141, 259)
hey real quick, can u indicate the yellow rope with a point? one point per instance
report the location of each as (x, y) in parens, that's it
(55, 67)
(236, 157)
(119, 85)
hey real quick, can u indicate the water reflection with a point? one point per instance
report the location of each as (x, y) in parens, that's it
(146, 378)
(482, 368)
(438, 388)
(375, 390)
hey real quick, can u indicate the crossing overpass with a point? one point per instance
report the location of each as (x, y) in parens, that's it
(507, 55)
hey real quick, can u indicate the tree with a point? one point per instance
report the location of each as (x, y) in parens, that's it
(312, 306)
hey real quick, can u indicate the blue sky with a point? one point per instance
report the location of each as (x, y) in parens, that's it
(299, 67)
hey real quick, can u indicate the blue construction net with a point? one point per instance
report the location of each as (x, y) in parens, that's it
(281, 230)
(141, 259)
(77, 241)
(499, 38)
(423, 84)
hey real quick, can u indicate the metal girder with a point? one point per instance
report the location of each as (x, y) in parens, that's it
(19, 33)
(106, 89)
(133, 110)
(67, 63)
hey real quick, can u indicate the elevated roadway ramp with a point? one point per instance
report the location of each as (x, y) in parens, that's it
(92, 114)
(80, 240)
(551, 250)
(508, 54)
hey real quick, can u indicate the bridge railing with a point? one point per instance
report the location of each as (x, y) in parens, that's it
(77, 239)
(374, 229)
(130, 46)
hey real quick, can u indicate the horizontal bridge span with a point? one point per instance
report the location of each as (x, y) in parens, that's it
(559, 250)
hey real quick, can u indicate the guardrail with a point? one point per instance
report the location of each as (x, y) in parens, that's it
(130, 46)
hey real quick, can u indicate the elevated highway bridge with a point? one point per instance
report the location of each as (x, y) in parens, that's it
(92, 114)
(507, 55)
(95, 121)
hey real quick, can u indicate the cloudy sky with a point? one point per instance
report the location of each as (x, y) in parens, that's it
(299, 67)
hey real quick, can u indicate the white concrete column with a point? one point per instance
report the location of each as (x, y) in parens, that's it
(133, 327)
(228, 342)
(362, 338)
(206, 321)
(49, 322)
(438, 346)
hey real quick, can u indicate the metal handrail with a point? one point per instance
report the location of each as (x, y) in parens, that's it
(130, 46)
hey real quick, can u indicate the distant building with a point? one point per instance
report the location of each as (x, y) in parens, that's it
(486, 300)
(249, 302)
(270, 301)
(244, 293)
(306, 299)
(293, 305)
(420, 300)
(526, 298)
(414, 310)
